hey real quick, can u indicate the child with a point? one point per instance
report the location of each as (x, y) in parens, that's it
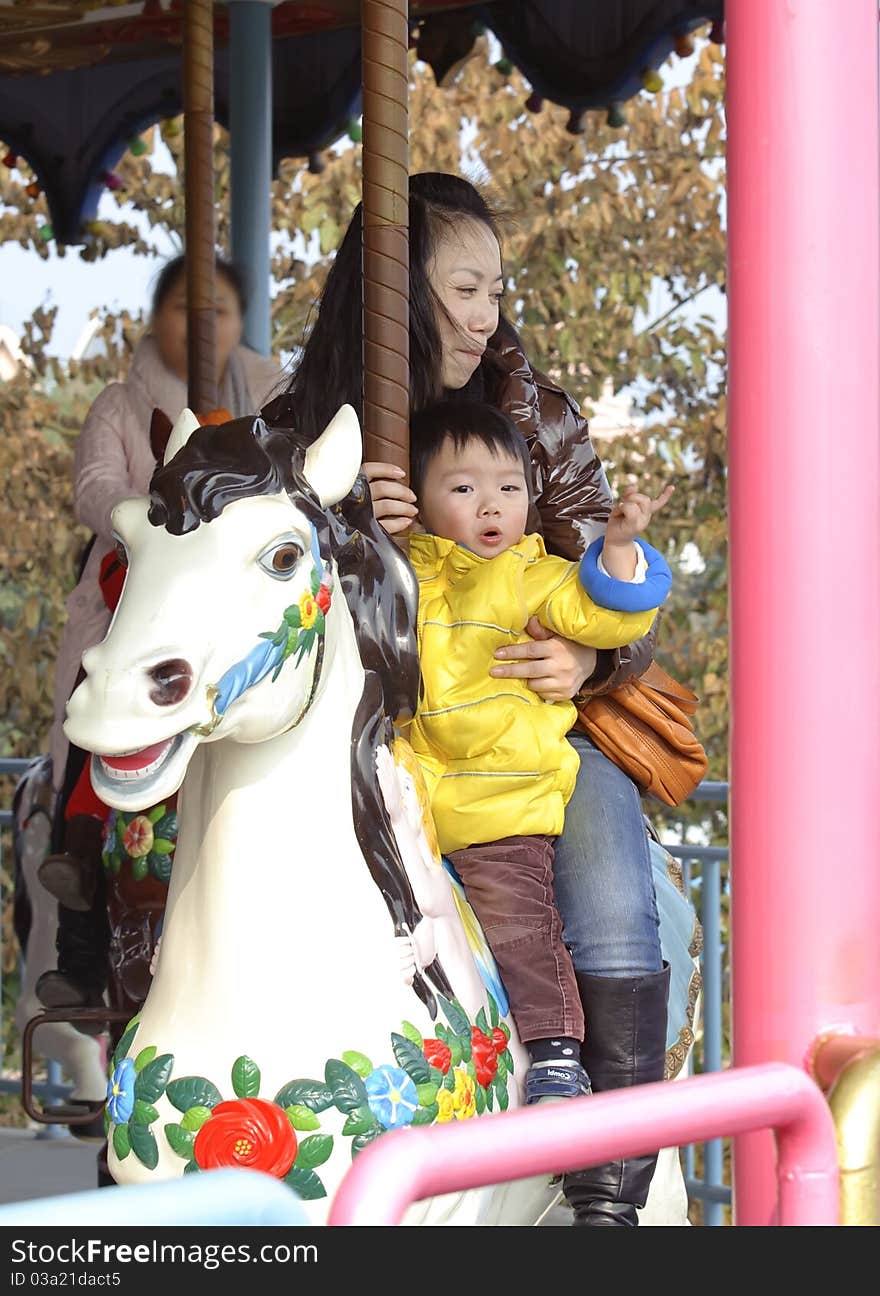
(494, 754)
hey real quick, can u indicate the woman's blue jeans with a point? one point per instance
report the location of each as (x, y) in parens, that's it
(602, 871)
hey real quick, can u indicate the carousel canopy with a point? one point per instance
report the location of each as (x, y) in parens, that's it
(80, 80)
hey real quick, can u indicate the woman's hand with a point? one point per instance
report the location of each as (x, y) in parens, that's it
(555, 668)
(394, 504)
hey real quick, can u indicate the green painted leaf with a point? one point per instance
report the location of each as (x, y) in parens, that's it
(345, 1085)
(315, 581)
(140, 868)
(479, 1100)
(121, 1141)
(427, 1093)
(440, 1032)
(166, 827)
(490, 1097)
(493, 1011)
(107, 1122)
(151, 1082)
(143, 1113)
(115, 864)
(410, 1058)
(426, 1115)
(359, 1121)
(502, 1067)
(301, 1117)
(313, 1094)
(411, 1034)
(455, 1050)
(156, 814)
(362, 1140)
(162, 846)
(146, 1055)
(245, 1077)
(508, 1061)
(482, 1022)
(195, 1117)
(360, 1064)
(143, 1145)
(180, 1140)
(464, 1043)
(192, 1091)
(291, 615)
(436, 1076)
(449, 1080)
(305, 1183)
(505, 1028)
(191, 1167)
(501, 1092)
(160, 867)
(124, 1044)
(314, 1151)
(455, 1015)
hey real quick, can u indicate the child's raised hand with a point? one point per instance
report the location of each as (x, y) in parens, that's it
(632, 513)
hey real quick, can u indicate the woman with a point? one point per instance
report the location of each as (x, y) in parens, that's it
(114, 460)
(461, 347)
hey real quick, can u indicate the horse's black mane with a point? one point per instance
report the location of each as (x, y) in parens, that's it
(262, 456)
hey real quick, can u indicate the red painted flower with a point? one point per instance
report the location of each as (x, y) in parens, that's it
(247, 1132)
(322, 598)
(437, 1053)
(485, 1058)
(499, 1039)
(138, 837)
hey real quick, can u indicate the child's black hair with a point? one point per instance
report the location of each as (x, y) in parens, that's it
(462, 422)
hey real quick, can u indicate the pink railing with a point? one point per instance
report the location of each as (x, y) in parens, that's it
(408, 1165)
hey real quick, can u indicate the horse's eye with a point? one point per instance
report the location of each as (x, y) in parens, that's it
(282, 559)
(121, 554)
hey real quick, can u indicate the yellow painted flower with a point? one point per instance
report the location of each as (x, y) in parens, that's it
(308, 610)
(445, 1103)
(463, 1096)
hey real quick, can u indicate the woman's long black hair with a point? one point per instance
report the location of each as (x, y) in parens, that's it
(329, 371)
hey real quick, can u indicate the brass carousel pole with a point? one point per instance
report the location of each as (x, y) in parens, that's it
(385, 39)
(198, 127)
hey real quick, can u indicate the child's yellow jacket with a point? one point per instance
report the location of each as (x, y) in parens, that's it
(494, 753)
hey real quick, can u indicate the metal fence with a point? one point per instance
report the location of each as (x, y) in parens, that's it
(704, 869)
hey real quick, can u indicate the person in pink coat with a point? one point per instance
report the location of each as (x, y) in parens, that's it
(114, 460)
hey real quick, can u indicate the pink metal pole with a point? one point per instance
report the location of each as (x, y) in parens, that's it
(802, 108)
(411, 1164)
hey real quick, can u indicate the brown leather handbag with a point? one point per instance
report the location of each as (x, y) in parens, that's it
(645, 727)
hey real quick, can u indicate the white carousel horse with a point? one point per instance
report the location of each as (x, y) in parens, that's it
(81, 1057)
(316, 984)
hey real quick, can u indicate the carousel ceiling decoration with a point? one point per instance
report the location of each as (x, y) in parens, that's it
(80, 81)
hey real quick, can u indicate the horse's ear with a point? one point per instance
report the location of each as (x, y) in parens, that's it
(334, 460)
(184, 426)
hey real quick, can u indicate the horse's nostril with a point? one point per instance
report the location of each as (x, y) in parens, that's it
(172, 681)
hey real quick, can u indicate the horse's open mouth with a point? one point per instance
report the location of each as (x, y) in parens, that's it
(138, 764)
(127, 780)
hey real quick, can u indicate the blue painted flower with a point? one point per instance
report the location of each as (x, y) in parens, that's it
(392, 1096)
(120, 1092)
(109, 835)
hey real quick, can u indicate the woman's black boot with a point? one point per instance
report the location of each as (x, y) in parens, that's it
(625, 1045)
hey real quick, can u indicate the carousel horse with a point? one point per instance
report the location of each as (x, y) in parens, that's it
(81, 1057)
(321, 979)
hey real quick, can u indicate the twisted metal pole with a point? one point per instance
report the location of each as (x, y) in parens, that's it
(198, 136)
(385, 33)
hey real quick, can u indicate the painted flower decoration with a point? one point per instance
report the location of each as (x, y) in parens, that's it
(463, 1096)
(138, 837)
(438, 1054)
(120, 1092)
(108, 834)
(446, 1108)
(322, 598)
(247, 1132)
(392, 1096)
(484, 1056)
(308, 610)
